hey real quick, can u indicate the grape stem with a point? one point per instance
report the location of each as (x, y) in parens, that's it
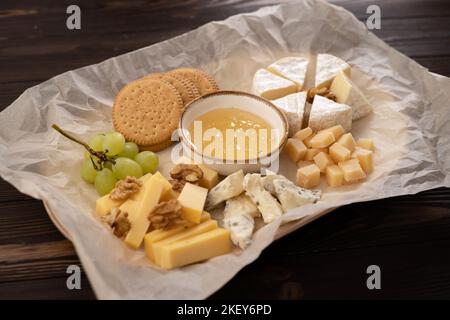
(100, 155)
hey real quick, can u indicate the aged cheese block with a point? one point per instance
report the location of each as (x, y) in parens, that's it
(347, 141)
(322, 140)
(308, 177)
(326, 113)
(365, 158)
(323, 160)
(295, 149)
(293, 106)
(291, 68)
(270, 86)
(335, 176)
(304, 163)
(366, 144)
(347, 92)
(303, 134)
(201, 247)
(327, 68)
(337, 131)
(352, 170)
(339, 153)
(310, 153)
(308, 139)
(192, 199)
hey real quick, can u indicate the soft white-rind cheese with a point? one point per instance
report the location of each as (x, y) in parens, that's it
(326, 113)
(229, 187)
(328, 67)
(293, 106)
(270, 86)
(291, 68)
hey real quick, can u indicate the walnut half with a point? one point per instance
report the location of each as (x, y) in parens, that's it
(183, 173)
(125, 188)
(118, 221)
(166, 214)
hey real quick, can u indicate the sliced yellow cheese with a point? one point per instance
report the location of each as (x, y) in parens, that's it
(192, 199)
(195, 249)
(190, 232)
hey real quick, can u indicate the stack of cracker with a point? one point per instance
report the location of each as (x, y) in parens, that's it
(147, 111)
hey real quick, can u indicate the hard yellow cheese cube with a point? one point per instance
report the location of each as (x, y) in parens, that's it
(310, 153)
(366, 143)
(365, 158)
(347, 141)
(335, 176)
(195, 249)
(210, 177)
(339, 153)
(192, 199)
(352, 170)
(323, 160)
(308, 177)
(337, 131)
(295, 149)
(303, 163)
(322, 140)
(308, 139)
(303, 134)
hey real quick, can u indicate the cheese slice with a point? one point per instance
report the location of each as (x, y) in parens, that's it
(347, 92)
(291, 68)
(270, 86)
(326, 113)
(328, 67)
(201, 247)
(192, 199)
(293, 106)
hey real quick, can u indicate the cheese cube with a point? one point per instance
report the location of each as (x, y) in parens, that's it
(308, 139)
(308, 177)
(293, 106)
(210, 177)
(191, 232)
(270, 86)
(352, 170)
(322, 140)
(366, 144)
(192, 199)
(295, 149)
(335, 176)
(339, 153)
(303, 163)
(303, 134)
(160, 234)
(347, 141)
(365, 158)
(201, 247)
(323, 160)
(310, 153)
(139, 207)
(337, 131)
(292, 68)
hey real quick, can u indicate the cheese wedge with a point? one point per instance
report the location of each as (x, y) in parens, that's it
(326, 113)
(293, 106)
(291, 68)
(198, 248)
(347, 92)
(327, 68)
(270, 86)
(192, 199)
(190, 232)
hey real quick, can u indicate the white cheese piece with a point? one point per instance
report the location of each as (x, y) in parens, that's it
(270, 86)
(293, 106)
(326, 113)
(228, 188)
(327, 67)
(292, 196)
(347, 92)
(291, 68)
(238, 218)
(268, 206)
(267, 182)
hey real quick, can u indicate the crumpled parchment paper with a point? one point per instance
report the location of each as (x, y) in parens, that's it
(410, 127)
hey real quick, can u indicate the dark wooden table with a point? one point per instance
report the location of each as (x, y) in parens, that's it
(408, 237)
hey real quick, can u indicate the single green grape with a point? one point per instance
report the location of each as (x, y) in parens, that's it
(96, 142)
(148, 161)
(88, 173)
(126, 167)
(107, 164)
(105, 181)
(114, 143)
(130, 150)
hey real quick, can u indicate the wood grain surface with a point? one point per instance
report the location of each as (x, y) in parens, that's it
(408, 237)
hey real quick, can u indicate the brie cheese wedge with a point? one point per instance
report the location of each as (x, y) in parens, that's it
(293, 106)
(268, 206)
(292, 196)
(270, 86)
(326, 113)
(228, 188)
(291, 68)
(347, 92)
(328, 67)
(238, 218)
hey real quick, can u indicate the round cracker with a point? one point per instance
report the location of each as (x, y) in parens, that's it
(156, 147)
(154, 76)
(147, 111)
(202, 80)
(185, 87)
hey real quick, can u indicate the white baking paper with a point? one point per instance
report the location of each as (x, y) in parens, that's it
(410, 127)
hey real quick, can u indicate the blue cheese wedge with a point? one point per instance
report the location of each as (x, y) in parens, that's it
(328, 67)
(292, 196)
(228, 188)
(326, 113)
(270, 86)
(347, 92)
(268, 206)
(291, 68)
(293, 106)
(239, 216)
